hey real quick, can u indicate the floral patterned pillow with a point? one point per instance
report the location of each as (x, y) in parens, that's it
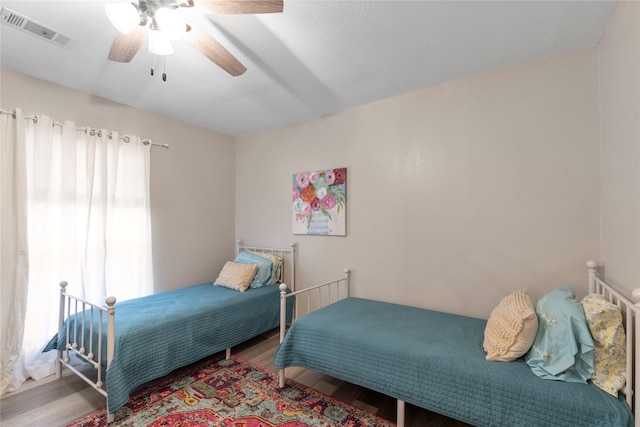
(605, 323)
(563, 348)
(276, 271)
(263, 272)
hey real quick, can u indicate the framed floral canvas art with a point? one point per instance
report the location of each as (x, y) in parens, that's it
(320, 202)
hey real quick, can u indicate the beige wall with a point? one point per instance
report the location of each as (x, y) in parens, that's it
(457, 194)
(619, 70)
(192, 185)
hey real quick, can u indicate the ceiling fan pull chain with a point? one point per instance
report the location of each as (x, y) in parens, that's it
(164, 68)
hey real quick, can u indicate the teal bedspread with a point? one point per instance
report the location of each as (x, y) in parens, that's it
(436, 361)
(162, 332)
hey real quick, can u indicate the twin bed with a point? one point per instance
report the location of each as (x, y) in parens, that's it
(427, 358)
(436, 361)
(146, 338)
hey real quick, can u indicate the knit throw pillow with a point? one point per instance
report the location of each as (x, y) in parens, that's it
(511, 328)
(236, 276)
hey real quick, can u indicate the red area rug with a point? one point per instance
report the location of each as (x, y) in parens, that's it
(232, 393)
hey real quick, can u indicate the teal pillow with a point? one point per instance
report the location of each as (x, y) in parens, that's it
(265, 267)
(563, 347)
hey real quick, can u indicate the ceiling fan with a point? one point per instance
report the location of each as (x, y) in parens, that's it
(159, 20)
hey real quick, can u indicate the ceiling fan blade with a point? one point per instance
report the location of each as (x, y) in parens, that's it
(209, 47)
(238, 6)
(125, 46)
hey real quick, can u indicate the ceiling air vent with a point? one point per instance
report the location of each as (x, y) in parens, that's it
(22, 23)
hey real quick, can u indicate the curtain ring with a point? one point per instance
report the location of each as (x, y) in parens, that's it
(126, 138)
(146, 142)
(92, 132)
(100, 133)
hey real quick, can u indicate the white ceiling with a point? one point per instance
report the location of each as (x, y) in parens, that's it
(315, 58)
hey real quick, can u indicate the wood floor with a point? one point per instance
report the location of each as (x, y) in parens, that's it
(51, 403)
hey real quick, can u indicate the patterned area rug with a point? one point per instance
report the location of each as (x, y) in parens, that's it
(232, 393)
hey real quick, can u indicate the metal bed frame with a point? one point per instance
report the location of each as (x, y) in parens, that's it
(326, 293)
(86, 312)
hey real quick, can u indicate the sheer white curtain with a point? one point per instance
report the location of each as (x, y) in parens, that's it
(13, 248)
(88, 223)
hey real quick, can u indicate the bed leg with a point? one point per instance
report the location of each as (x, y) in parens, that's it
(282, 378)
(63, 286)
(59, 365)
(400, 415)
(228, 354)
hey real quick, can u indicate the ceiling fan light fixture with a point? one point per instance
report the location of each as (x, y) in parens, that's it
(123, 15)
(159, 43)
(171, 23)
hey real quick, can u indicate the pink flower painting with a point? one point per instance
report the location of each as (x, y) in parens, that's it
(319, 202)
